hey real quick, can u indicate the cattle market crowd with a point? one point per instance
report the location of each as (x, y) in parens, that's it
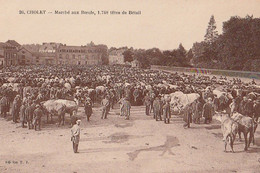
(30, 92)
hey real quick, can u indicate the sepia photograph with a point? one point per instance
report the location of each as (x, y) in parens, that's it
(129, 86)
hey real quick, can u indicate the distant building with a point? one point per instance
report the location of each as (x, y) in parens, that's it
(136, 64)
(44, 58)
(12, 53)
(8, 54)
(81, 55)
(14, 43)
(49, 47)
(25, 57)
(116, 56)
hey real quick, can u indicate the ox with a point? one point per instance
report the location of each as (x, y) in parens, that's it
(59, 107)
(229, 129)
(245, 125)
(179, 100)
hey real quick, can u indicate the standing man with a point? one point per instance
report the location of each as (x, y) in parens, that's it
(16, 108)
(120, 102)
(4, 106)
(197, 112)
(105, 107)
(187, 115)
(37, 115)
(147, 103)
(23, 115)
(157, 106)
(126, 106)
(167, 112)
(75, 136)
(88, 108)
(207, 111)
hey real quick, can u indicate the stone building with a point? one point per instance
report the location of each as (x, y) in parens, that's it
(81, 55)
(25, 57)
(116, 56)
(8, 54)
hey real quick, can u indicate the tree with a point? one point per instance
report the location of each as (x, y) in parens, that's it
(211, 33)
(181, 52)
(141, 57)
(128, 56)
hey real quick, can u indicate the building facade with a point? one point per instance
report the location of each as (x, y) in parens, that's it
(25, 57)
(81, 55)
(116, 56)
(8, 54)
(12, 53)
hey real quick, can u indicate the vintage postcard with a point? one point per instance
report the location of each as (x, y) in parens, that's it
(158, 86)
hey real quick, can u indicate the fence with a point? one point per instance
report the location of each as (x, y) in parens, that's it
(244, 74)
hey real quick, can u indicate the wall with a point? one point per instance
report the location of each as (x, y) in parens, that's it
(244, 74)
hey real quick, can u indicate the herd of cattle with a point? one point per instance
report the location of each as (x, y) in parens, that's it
(61, 90)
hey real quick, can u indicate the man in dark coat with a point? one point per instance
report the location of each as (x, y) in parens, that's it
(4, 106)
(207, 111)
(187, 115)
(242, 104)
(147, 103)
(29, 114)
(157, 107)
(249, 108)
(167, 112)
(16, 108)
(37, 115)
(22, 115)
(88, 108)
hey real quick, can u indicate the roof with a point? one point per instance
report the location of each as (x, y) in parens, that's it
(23, 48)
(49, 46)
(2, 45)
(43, 54)
(32, 47)
(14, 43)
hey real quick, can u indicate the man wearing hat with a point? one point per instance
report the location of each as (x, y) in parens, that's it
(75, 136)
(242, 106)
(126, 106)
(37, 115)
(105, 107)
(167, 112)
(15, 108)
(4, 105)
(88, 108)
(208, 110)
(249, 108)
(157, 106)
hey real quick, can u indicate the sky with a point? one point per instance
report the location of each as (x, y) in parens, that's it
(163, 23)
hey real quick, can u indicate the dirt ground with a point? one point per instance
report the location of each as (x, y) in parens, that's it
(116, 145)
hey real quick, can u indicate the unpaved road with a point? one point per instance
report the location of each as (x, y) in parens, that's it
(116, 145)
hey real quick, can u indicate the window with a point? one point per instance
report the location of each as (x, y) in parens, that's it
(73, 56)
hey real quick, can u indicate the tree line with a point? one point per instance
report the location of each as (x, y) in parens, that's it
(237, 48)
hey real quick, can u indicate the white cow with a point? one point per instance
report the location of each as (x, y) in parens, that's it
(179, 100)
